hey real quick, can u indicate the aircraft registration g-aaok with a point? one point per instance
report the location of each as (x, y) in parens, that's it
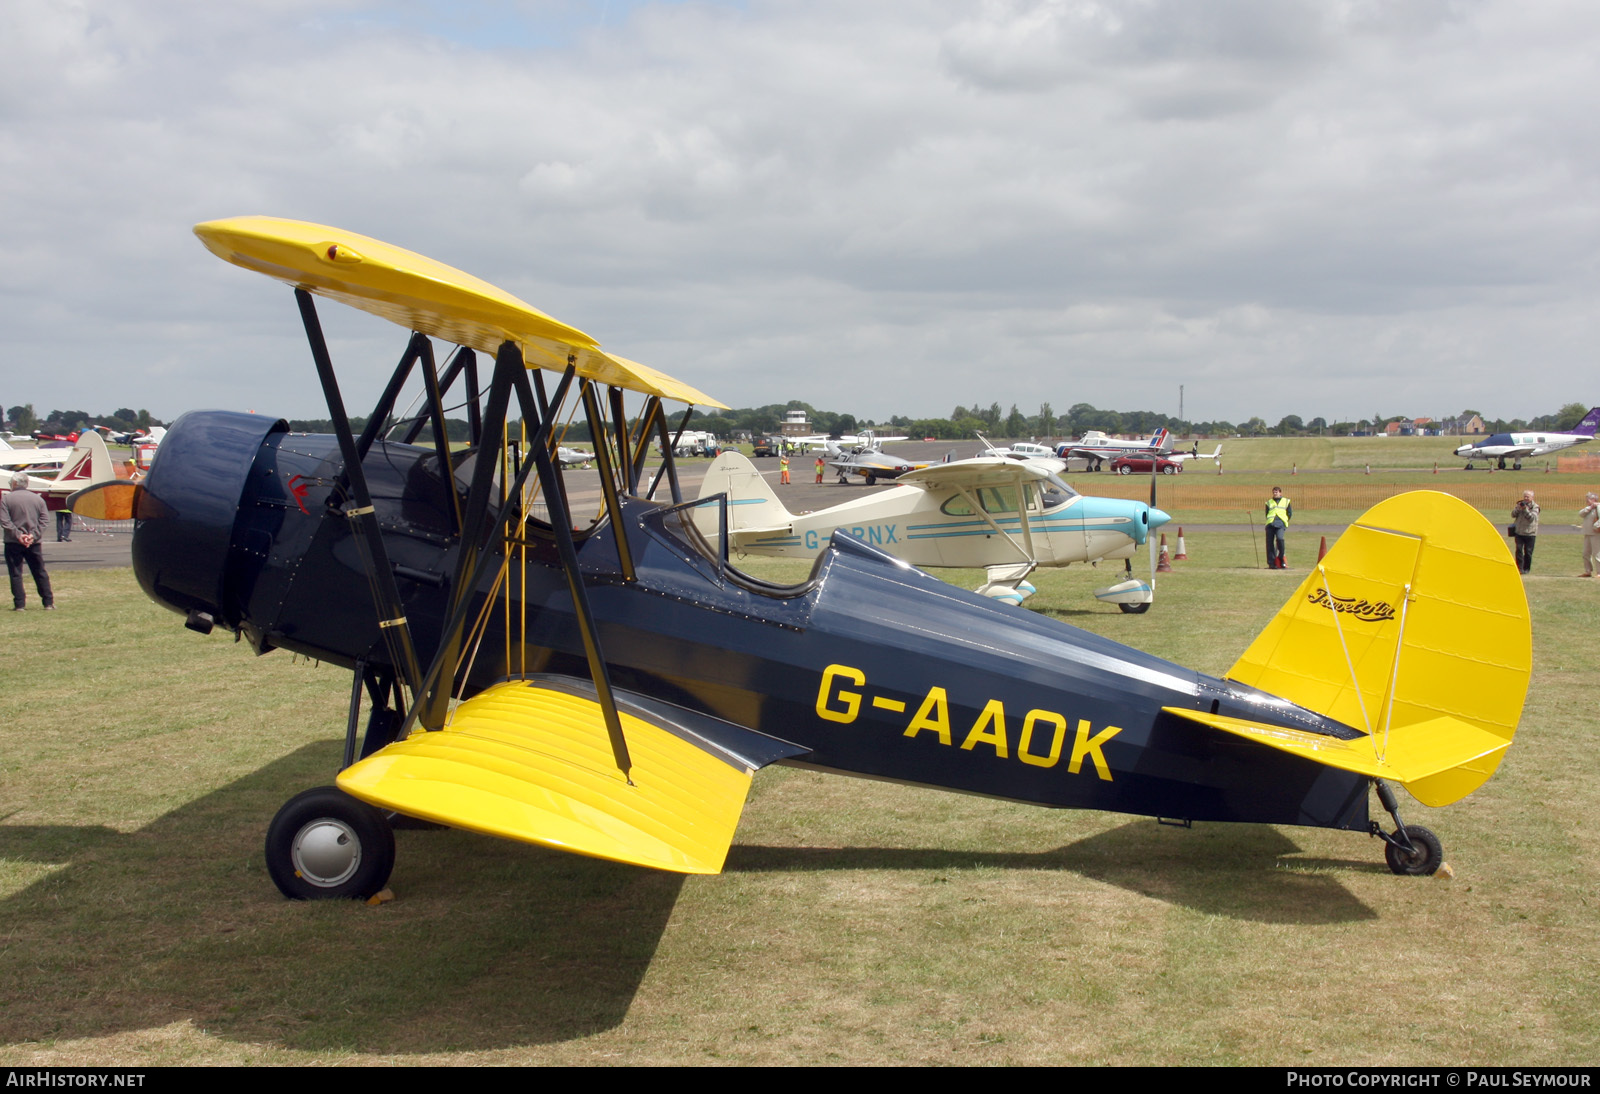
(609, 686)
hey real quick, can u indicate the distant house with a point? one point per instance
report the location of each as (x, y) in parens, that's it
(1466, 426)
(1408, 427)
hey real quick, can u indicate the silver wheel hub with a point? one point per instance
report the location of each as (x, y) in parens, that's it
(326, 852)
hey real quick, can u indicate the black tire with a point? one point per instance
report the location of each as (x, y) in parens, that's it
(325, 845)
(1169, 469)
(1124, 470)
(1424, 861)
(872, 480)
(1135, 609)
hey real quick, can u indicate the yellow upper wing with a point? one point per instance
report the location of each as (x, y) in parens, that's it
(423, 295)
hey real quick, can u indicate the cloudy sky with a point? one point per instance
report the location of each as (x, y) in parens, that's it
(1340, 208)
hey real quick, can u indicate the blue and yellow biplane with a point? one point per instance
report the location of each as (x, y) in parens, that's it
(609, 683)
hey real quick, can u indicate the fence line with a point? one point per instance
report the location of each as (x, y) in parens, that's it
(1215, 492)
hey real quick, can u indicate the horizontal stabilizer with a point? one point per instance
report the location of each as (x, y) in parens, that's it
(534, 764)
(1439, 761)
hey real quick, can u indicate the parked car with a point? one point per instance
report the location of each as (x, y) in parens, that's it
(1127, 465)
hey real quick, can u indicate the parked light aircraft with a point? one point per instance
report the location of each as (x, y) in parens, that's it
(88, 462)
(1517, 447)
(135, 437)
(868, 460)
(966, 514)
(1185, 457)
(43, 462)
(1041, 454)
(1099, 449)
(620, 684)
(573, 457)
(818, 442)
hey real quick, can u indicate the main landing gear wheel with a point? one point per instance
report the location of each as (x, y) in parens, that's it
(1135, 609)
(326, 845)
(1424, 857)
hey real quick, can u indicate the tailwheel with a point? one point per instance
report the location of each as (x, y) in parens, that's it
(326, 845)
(1423, 857)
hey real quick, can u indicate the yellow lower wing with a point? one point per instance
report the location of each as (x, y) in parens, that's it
(534, 764)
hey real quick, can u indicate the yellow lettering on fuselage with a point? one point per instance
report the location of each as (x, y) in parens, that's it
(993, 716)
(934, 714)
(1034, 718)
(850, 699)
(1089, 746)
(838, 702)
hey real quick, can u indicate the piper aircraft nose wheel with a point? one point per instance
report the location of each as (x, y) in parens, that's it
(326, 845)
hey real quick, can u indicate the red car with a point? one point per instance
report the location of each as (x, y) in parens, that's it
(1127, 465)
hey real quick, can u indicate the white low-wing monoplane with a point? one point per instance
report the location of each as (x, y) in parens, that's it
(1006, 516)
(1517, 447)
(1042, 455)
(1097, 448)
(1183, 457)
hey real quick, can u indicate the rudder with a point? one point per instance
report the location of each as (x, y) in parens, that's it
(1416, 623)
(751, 500)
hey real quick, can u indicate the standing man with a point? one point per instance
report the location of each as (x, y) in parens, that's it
(1589, 521)
(22, 516)
(1525, 529)
(783, 466)
(1279, 512)
(820, 466)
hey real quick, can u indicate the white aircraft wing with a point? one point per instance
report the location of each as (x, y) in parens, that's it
(982, 471)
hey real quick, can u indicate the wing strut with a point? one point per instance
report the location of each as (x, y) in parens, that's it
(511, 374)
(608, 480)
(669, 466)
(368, 538)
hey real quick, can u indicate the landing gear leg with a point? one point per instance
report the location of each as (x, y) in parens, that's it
(1411, 850)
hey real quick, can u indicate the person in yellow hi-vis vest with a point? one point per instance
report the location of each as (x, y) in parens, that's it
(1279, 512)
(783, 466)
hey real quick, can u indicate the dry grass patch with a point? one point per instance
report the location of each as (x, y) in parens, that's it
(856, 922)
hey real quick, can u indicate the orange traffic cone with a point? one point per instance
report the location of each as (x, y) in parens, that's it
(1322, 552)
(1164, 566)
(1182, 552)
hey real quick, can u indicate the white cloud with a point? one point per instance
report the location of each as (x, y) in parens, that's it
(877, 208)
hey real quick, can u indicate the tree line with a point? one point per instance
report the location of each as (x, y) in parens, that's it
(23, 419)
(962, 422)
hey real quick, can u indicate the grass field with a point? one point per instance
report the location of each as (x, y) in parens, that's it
(857, 922)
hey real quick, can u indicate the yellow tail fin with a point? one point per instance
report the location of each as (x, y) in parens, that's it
(1414, 628)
